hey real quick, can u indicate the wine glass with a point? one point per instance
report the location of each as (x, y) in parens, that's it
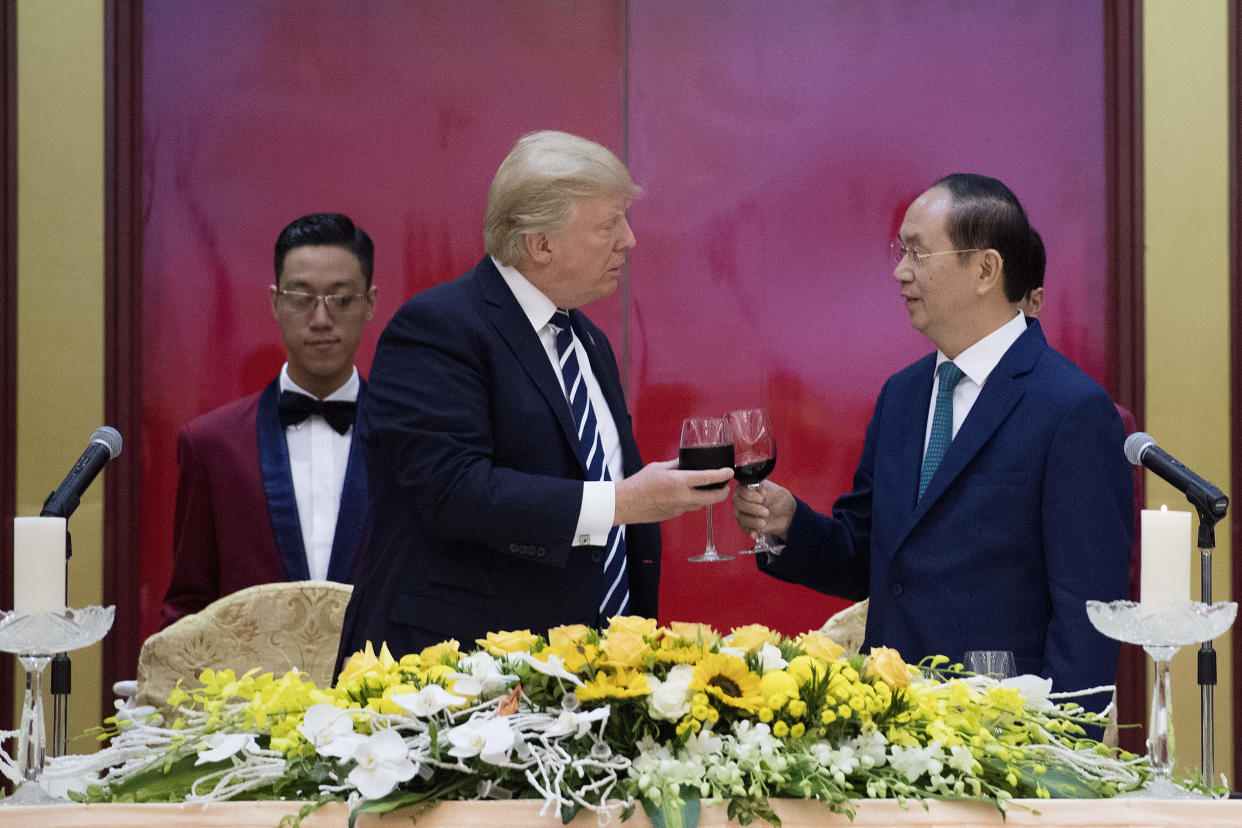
(997, 664)
(754, 449)
(707, 443)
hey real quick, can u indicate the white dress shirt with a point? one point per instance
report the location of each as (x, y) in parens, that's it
(976, 362)
(599, 500)
(318, 456)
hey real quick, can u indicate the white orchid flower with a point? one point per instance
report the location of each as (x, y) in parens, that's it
(1034, 689)
(428, 701)
(554, 666)
(383, 760)
(579, 724)
(330, 730)
(223, 745)
(489, 739)
(480, 676)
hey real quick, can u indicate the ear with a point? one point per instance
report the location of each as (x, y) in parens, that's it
(991, 273)
(537, 248)
(371, 295)
(273, 297)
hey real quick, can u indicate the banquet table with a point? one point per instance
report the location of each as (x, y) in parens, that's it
(1114, 813)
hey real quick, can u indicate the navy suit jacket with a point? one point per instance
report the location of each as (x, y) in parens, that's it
(1028, 516)
(236, 521)
(475, 481)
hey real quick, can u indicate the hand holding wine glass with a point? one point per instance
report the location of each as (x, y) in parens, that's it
(707, 443)
(754, 449)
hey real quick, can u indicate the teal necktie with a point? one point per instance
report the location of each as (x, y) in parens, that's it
(942, 423)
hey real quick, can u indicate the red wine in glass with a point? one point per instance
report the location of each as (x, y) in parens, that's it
(706, 443)
(754, 448)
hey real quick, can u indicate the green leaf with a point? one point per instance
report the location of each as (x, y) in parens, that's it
(569, 811)
(664, 816)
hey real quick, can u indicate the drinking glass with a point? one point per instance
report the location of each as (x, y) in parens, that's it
(754, 457)
(997, 664)
(707, 443)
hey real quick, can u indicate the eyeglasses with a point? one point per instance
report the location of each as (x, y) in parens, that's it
(343, 304)
(900, 251)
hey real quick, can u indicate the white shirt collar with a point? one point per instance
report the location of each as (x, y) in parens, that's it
(537, 307)
(980, 359)
(347, 392)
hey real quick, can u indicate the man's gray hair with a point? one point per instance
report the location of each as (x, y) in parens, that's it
(538, 184)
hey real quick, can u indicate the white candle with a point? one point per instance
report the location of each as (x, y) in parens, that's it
(38, 564)
(1166, 556)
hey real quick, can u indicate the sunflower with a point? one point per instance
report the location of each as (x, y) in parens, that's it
(680, 651)
(730, 680)
(621, 684)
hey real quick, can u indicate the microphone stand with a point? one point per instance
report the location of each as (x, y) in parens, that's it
(61, 677)
(1208, 516)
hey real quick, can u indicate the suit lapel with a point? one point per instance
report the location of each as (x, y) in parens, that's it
(1000, 393)
(351, 517)
(282, 505)
(514, 327)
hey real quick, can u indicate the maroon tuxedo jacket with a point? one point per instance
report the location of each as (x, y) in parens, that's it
(236, 522)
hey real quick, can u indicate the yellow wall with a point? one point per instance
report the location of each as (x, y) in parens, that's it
(60, 257)
(1186, 224)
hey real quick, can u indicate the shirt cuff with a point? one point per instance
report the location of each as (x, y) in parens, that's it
(599, 506)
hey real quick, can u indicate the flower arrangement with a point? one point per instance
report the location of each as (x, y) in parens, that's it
(605, 721)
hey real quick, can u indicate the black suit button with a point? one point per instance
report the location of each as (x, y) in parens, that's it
(597, 556)
(897, 589)
(540, 552)
(515, 549)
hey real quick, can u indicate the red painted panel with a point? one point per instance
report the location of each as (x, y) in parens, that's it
(394, 113)
(778, 143)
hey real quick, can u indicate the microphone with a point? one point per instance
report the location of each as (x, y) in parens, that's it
(104, 445)
(1141, 450)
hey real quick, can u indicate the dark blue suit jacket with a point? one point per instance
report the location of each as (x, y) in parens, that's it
(475, 483)
(1028, 516)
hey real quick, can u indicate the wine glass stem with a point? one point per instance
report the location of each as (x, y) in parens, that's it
(32, 742)
(1160, 728)
(711, 538)
(761, 542)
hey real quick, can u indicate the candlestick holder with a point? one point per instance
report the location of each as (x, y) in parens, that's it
(34, 638)
(1161, 630)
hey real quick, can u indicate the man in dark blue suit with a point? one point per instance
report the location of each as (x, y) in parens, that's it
(983, 517)
(507, 489)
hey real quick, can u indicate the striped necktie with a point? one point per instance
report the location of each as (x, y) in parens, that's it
(616, 598)
(942, 423)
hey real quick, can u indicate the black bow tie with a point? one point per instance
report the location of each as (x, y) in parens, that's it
(295, 407)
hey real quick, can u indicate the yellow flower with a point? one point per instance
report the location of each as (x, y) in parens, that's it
(778, 687)
(625, 648)
(752, 637)
(365, 662)
(729, 680)
(622, 684)
(508, 641)
(797, 730)
(805, 669)
(885, 664)
(568, 634)
(679, 651)
(780, 730)
(446, 652)
(575, 655)
(634, 624)
(820, 646)
(692, 632)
